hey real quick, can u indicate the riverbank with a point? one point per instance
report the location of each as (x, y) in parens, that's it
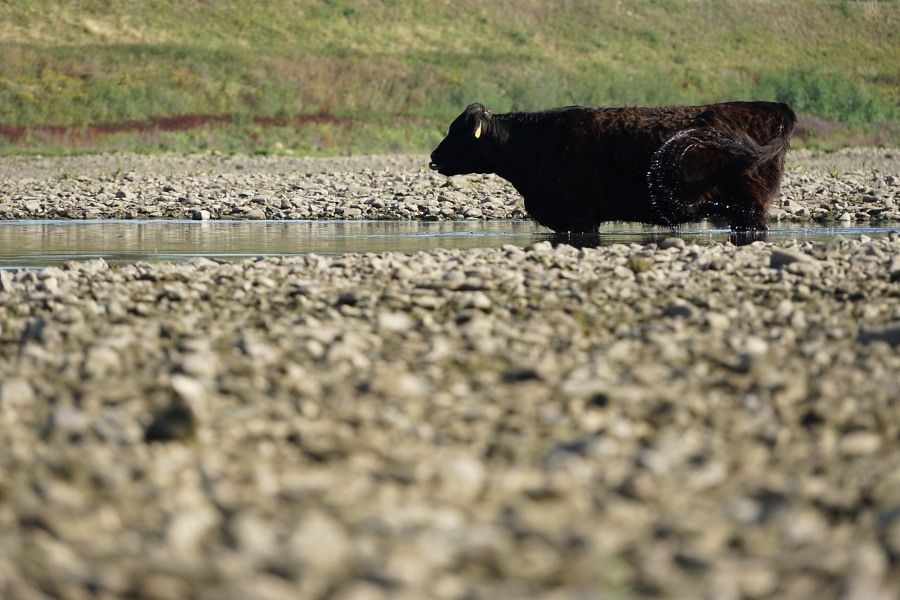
(852, 186)
(665, 418)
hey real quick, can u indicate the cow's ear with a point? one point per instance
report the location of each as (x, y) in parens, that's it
(477, 133)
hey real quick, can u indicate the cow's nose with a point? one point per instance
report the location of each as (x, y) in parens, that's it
(433, 166)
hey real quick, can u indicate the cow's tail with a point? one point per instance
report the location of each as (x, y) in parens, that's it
(689, 164)
(778, 144)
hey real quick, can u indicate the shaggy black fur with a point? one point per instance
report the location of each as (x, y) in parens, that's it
(577, 167)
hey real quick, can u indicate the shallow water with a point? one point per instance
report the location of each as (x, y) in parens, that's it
(39, 243)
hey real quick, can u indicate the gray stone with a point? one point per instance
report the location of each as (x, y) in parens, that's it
(15, 393)
(894, 269)
(6, 281)
(781, 257)
(175, 422)
(67, 421)
(478, 300)
(888, 333)
(162, 587)
(320, 543)
(101, 360)
(253, 535)
(671, 243)
(677, 307)
(540, 247)
(187, 528)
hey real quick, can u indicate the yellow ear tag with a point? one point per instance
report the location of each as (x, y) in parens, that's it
(478, 131)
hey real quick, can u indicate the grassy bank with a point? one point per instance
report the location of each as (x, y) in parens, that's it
(387, 76)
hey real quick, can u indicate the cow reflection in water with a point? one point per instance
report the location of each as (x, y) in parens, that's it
(597, 239)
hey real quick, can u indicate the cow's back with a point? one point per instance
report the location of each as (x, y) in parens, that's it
(650, 126)
(609, 152)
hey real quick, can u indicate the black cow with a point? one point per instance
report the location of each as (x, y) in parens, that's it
(577, 167)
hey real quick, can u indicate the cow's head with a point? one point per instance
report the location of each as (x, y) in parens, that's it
(464, 150)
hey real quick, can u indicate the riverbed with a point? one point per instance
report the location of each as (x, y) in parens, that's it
(849, 187)
(672, 415)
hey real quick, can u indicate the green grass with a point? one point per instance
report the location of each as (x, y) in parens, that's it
(394, 73)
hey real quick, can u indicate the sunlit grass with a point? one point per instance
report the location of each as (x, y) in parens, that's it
(385, 66)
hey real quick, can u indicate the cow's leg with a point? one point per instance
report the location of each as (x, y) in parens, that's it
(748, 201)
(746, 212)
(753, 221)
(583, 226)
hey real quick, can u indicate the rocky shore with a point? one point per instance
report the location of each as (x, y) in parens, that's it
(848, 187)
(662, 419)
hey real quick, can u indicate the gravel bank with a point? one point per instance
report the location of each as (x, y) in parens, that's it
(851, 186)
(662, 419)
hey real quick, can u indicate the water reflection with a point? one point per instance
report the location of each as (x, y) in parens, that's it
(593, 240)
(32, 243)
(42, 242)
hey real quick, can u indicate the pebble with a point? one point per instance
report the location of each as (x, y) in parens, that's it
(781, 257)
(188, 527)
(320, 542)
(101, 360)
(540, 247)
(396, 322)
(462, 476)
(894, 266)
(860, 443)
(190, 390)
(175, 422)
(638, 264)
(671, 243)
(6, 281)
(162, 587)
(404, 385)
(888, 333)
(716, 320)
(67, 420)
(252, 535)
(203, 365)
(15, 393)
(678, 308)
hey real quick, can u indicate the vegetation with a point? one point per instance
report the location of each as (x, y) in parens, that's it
(338, 76)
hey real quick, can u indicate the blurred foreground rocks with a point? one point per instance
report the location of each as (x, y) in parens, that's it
(673, 419)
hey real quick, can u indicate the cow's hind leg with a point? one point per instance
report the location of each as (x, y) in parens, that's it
(745, 209)
(749, 221)
(686, 174)
(707, 172)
